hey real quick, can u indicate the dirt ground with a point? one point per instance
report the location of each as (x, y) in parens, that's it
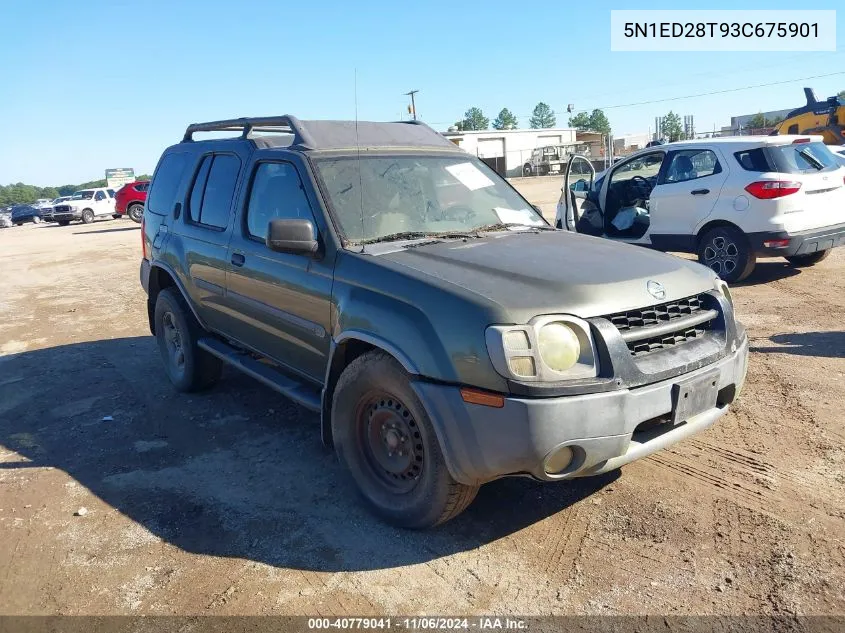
(227, 503)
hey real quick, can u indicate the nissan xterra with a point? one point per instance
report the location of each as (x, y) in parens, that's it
(444, 332)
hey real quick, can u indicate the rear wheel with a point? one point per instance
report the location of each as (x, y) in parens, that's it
(384, 437)
(87, 216)
(801, 261)
(135, 212)
(116, 216)
(177, 332)
(726, 251)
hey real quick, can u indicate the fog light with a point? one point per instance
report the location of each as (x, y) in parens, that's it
(558, 460)
(776, 243)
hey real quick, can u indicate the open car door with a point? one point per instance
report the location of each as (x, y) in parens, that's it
(577, 184)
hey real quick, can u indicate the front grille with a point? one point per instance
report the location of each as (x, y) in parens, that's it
(634, 325)
(62, 208)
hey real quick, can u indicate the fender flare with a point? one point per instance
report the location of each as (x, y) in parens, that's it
(179, 286)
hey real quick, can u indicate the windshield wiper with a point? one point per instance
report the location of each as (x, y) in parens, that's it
(415, 235)
(815, 162)
(503, 226)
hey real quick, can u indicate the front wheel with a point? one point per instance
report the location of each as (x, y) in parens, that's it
(802, 261)
(36, 220)
(135, 212)
(726, 251)
(384, 437)
(189, 367)
(87, 216)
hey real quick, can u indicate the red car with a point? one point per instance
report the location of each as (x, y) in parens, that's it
(129, 199)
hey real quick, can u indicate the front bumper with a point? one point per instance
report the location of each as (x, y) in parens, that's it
(800, 243)
(482, 443)
(67, 216)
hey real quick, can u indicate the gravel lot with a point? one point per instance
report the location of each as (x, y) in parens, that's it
(226, 502)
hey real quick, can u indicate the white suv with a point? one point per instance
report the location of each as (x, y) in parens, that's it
(85, 205)
(729, 200)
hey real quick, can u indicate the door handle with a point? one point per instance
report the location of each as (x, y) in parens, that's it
(238, 259)
(700, 192)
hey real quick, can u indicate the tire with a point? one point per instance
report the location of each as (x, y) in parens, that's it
(177, 332)
(802, 261)
(36, 220)
(87, 216)
(526, 170)
(135, 212)
(18, 223)
(64, 222)
(726, 251)
(116, 216)
(410, 489)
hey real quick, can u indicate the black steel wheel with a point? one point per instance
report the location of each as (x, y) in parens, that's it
(384, 437)
(390, 441)
(189, 367)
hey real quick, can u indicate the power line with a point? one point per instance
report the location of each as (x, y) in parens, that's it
(693, 96)
(719, 92)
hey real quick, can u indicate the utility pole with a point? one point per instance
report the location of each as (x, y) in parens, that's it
(413, 108)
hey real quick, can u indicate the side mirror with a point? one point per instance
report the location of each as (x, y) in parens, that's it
(295, 236)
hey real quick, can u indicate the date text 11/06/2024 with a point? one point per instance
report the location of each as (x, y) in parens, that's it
(420, 623)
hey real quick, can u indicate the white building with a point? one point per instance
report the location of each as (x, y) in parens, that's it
(507, 151)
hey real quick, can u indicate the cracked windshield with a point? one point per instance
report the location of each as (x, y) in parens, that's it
(411, 197)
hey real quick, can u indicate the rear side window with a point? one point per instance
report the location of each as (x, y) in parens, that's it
(802, 158)
(753, 160)
(214, 187)
(165, 183)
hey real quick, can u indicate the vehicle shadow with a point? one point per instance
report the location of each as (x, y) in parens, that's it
(766, 271)
(134, 227)
(237, 471)
(821, 344)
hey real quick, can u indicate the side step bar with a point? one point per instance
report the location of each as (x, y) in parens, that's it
(301, 393)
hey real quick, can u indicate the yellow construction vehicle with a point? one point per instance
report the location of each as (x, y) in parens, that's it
(826, 118)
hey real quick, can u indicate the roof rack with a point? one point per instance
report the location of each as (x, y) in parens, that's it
(245, 125)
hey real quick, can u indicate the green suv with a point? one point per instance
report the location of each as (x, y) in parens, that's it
(445, 333)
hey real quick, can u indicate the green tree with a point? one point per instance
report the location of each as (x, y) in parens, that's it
(671, 128)
(596, 121)
(543, 116)
(757, 121)
(841, 95)
(599, 122)
(505, 121)
(474, 119)
(580, 122)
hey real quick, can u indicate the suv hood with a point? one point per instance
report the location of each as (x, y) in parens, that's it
(529, 274)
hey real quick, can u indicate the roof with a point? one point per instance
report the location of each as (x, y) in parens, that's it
(744, 141)
(288, 131)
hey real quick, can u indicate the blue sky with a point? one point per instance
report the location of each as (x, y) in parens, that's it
(108, 83)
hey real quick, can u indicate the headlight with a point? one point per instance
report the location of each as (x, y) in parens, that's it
(723, 289)
(547, 349)
(558, 345)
